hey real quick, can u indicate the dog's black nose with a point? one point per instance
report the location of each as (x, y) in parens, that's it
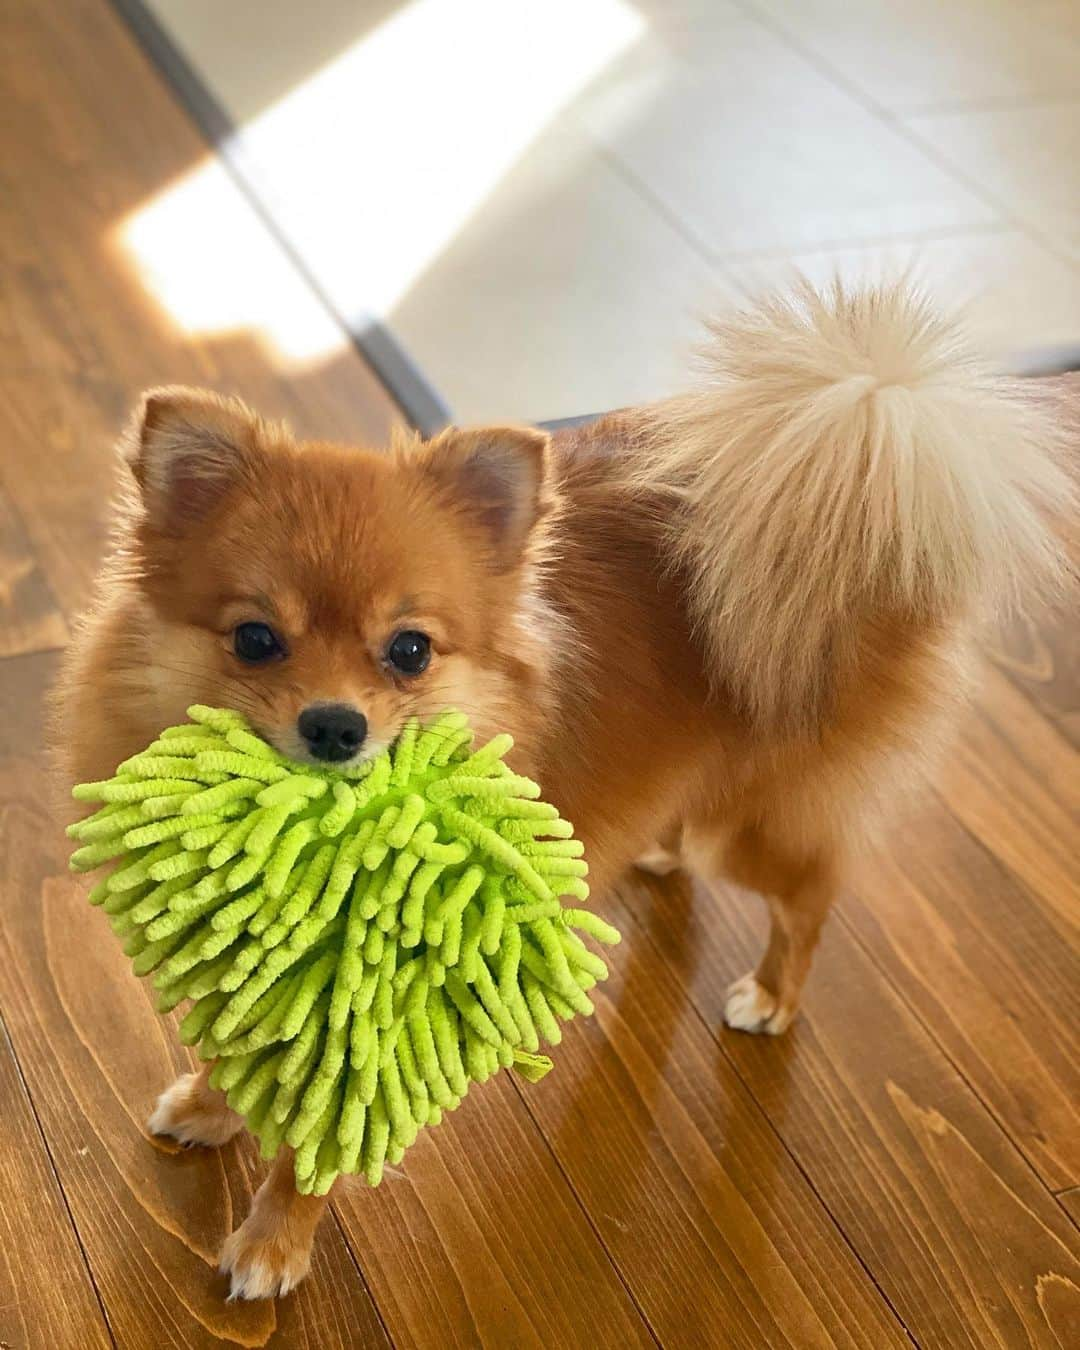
(333, 731)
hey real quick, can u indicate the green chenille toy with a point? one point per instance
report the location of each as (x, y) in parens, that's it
(357, 946)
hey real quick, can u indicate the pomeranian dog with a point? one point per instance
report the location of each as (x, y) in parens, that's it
(729, 626)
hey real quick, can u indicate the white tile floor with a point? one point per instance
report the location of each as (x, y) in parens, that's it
(1024, 157)
(752, 148)
(710, 145)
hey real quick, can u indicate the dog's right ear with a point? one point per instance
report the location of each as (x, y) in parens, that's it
(185, 447)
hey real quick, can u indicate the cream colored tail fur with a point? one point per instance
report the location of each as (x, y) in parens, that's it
(848, 458)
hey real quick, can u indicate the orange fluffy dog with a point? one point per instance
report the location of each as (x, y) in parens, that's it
(733, 622)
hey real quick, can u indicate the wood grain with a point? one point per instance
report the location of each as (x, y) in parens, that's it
(489, 1246)
(30, 620)
(1014, 784)
(923, 1182)
(1042, 657)
(45, 1287)
(989, 971)
(705, 1213)
(1070, 1202)
(1039, 651)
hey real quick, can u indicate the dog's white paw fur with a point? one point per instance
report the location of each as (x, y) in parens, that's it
(750, 1007)
(192, 1113)
(263, 1264)
(660, 862)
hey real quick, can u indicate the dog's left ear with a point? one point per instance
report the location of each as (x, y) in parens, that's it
(499, 475)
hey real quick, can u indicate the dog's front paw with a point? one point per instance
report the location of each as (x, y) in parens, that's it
(750, 1007)
(192, 1112)
(263, 1261)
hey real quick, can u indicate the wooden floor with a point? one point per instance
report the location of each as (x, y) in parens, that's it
(903, 1167)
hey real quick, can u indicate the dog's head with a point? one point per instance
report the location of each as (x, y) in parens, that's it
(330, 593)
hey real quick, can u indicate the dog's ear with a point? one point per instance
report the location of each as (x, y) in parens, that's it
(185, 447)
(499, 476)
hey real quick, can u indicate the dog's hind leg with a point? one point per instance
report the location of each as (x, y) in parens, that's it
(665, 856)
(799, 887)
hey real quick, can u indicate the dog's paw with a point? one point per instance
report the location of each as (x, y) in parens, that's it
(263, 1262)
(658, 862)
(192, 1113)
(750, 1007)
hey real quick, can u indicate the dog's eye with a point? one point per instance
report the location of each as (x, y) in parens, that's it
(409, 652)
(255, 642)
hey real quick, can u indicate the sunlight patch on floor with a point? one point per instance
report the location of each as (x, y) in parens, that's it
(211, 263)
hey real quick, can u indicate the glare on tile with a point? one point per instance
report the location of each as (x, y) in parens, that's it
(440, 101)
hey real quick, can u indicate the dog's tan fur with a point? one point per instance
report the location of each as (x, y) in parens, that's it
(729, 626)
(191, 1112)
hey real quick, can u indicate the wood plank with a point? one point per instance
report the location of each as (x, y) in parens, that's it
(99, 137)
(1015, 785)
(988, 971)
(36, 1235)
(489, 1246)
(714, 1229)
(1039, 651)
(1033, 739)
(962, 1238)
(94, 1053)
(30, 620)
(1070, 1202)
(1042, 657)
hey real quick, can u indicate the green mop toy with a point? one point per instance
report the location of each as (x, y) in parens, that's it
(357, 946)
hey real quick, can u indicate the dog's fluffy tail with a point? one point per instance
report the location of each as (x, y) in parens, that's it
(848, 460)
